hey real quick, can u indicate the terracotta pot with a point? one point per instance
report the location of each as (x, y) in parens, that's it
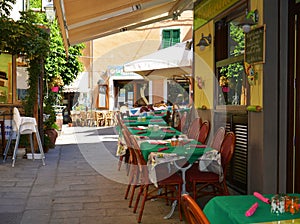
(52, 133)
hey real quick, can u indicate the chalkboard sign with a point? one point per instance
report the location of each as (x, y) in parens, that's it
(255, 46)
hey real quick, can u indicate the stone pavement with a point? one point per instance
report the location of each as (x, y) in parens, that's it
(79, 184)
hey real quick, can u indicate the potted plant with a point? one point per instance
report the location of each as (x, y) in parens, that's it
(50, 126)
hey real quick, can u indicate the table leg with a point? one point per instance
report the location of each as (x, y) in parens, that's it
(183, 170)
(183, 191)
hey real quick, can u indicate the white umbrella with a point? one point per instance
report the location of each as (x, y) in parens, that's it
(172, 61)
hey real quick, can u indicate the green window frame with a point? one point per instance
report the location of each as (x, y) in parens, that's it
(170, 37)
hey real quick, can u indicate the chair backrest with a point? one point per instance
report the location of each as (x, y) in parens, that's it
(17, 118)
(227, 149)
(193, 213)
(182, 123)
(204, 131)
(218, 138)
(194, 129)
(142, 163)
(129, 144)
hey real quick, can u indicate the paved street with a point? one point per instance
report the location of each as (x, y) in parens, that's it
(79, 184)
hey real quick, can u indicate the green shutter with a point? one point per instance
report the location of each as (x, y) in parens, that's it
(170, 37)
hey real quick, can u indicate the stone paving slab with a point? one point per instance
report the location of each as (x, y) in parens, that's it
(79, 184)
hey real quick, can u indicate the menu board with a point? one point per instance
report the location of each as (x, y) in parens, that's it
(255, 46)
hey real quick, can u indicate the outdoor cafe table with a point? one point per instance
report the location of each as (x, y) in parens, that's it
(231, 210)
(191, 151)
(132, 121)
(161, 133)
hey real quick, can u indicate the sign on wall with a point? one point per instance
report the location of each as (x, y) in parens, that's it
(255, 45)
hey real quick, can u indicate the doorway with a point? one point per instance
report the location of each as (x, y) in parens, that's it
(293, 148)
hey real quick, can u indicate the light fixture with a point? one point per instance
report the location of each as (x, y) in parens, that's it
(49, 10)
(204, 42)
(249, 20)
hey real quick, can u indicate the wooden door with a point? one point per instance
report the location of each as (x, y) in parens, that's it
(293, 155)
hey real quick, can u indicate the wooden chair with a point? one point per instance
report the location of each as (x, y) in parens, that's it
(109, 118)
(193, 213)
(132, 171)
(182, 123)
(100, 118)
(206, 179)
(204, 131)
(169, 183)
(218, 138)
(194, 128)
(126, 155)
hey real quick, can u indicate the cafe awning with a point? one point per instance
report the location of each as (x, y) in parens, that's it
(168, 62)
(84, 20)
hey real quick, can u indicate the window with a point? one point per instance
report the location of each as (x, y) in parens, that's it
(131, 93)
(230, 73)
(102, 96)
(5, 78)
(170, 37)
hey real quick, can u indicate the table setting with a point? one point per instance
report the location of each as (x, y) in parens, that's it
(255, 208)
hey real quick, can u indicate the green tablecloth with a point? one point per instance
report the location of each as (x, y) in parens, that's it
(231, 210)
(159, 134)
(191, 154)
(156, 120)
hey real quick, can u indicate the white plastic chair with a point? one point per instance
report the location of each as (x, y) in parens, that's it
(24, 126)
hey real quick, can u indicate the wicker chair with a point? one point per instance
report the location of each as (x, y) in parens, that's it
(100, 118)
(109, 118)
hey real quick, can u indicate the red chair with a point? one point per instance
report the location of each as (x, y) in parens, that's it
(194, 128)
(205, 179)
(204, 131)
(193, 213)
(170, 183)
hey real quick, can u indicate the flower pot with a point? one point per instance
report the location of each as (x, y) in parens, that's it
(225, 89)
(55, 89)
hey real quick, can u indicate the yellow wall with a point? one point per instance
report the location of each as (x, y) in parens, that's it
(256, 91)
(204, 68)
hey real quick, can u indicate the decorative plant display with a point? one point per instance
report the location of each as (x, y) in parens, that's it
(42, 46)
(251, 74)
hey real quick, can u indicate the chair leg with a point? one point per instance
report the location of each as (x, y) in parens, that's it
(15, 150)
(143, 204)
(120, 162)
(40, 145)
(31, 146)
(7, 147)
(138, 197)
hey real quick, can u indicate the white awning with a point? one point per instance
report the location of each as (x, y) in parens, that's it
(80, 84)
(172, 61)
(84, 20)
